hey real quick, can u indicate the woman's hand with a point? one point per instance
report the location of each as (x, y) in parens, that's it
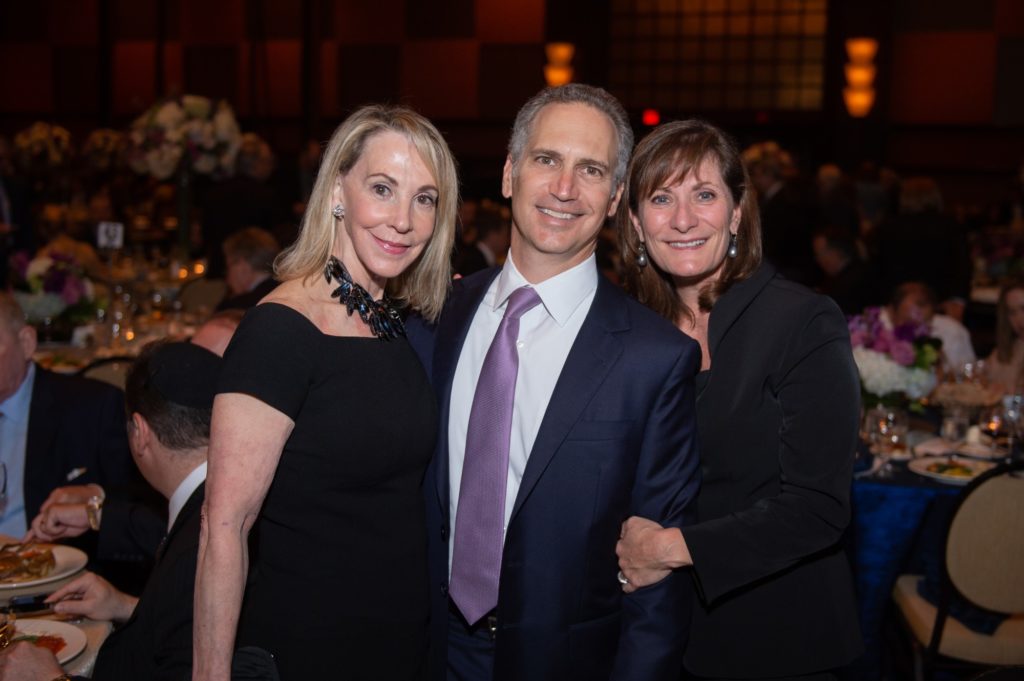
(648, 552)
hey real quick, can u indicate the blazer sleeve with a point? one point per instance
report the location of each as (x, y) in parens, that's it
(655, 620)
(818, 391)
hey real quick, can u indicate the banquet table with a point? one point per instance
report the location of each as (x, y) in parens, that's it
(894, 522)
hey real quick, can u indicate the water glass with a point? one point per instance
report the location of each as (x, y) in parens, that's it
(886, 431)
(954, 425)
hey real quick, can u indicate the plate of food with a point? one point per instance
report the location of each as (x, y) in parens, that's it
(65, 640)
(26, 565)
(951, 470)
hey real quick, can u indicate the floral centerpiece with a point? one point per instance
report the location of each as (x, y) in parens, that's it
(181, 136)
(102, 149)
(896, 365)
(187, 133)
(51, 287)
(42, 147)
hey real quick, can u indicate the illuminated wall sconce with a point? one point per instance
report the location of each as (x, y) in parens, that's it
(859, 93)
(558, 70)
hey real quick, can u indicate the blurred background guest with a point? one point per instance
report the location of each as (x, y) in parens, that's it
(913, 302)
(168, 398)
(490, 233)
(54, 429)
(837, 203)
(1005, 366)
(846, 278)
(787, 216)
(922, 243)
(249, 254)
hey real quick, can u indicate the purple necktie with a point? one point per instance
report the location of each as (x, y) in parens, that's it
(476, 557)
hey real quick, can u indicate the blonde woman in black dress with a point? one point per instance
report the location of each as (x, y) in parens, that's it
(325, 422)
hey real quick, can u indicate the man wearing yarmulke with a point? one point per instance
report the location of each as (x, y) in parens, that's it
(168, 397)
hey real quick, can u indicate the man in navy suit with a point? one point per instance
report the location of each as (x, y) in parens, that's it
(601, 425)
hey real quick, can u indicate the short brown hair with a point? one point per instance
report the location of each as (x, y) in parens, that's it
(665, 157)
(1005, 336)
(10, 312)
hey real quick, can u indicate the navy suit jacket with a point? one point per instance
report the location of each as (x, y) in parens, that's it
(618, 439)
(156, 642)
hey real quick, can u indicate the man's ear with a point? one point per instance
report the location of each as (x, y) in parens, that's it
(27, 340)
(140, 435)
(506, 178)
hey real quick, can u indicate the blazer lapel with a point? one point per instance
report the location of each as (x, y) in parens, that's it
(591, 358)
(39, 463)
(452, 329)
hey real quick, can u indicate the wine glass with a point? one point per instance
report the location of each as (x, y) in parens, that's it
(886, 430)
(954, 425)
(991, 421)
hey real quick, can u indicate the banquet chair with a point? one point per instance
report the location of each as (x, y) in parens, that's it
(202, 295)
(112, 370)
(984, 563)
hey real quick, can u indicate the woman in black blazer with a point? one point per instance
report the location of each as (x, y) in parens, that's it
(777, 414)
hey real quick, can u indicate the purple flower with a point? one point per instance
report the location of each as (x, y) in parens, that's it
(902, 352)
(19, 263)
(74, 289)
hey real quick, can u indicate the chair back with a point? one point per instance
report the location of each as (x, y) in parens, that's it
(985, 545)
(112, 370)
(201, 296)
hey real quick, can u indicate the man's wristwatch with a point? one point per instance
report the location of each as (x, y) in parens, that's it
(94, 512)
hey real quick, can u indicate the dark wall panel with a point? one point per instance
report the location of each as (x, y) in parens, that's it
(1010, 82)
(134, 86)
(509, 75)
(943, 15)
(23, 21)
(29, 87)
(73, 22)
(212, 71)
(440, 19)
(76, 79)
(371, 22)
(367, 73)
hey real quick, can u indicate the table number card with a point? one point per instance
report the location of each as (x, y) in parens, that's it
(110, 235)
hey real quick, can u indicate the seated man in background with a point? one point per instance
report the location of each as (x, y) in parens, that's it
(169, 398)
(127, 528)
(249, 255)
(914, 303)
(846, 278)
(54, 429)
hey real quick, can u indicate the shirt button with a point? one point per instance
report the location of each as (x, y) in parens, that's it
(444, 534)
(520, 344)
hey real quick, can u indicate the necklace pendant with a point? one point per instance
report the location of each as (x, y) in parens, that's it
(382, 319)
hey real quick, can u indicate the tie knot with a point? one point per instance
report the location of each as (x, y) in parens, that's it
(520, 301)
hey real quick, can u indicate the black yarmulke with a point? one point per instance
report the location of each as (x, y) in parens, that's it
(185, 374)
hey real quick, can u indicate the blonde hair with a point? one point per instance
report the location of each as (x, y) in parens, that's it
(422, 287)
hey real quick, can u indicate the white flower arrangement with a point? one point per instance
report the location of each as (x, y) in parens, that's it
(189, 130)
(880, 375)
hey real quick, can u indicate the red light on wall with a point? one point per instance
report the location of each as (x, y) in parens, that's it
(651, 117)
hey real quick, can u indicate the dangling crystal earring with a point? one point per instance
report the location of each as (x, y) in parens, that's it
(339, 211)
(641, 256)
(733, 250)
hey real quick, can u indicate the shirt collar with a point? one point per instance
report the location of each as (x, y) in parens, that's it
(184, 491)
(560, 294)
(16, 407)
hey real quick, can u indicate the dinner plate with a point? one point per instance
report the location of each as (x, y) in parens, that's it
(920, 466)
(74, 638)
(68, 559)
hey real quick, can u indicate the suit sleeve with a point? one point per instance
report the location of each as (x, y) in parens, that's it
(655, 619)
(818, 392)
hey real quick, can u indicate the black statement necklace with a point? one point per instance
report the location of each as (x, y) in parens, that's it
(383, 320)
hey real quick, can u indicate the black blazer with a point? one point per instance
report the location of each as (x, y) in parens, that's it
(156, 642)
(778, 417)
(74, 423)
(618, 439)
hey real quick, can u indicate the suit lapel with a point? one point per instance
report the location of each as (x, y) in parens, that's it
(592, 356)
(452, 330)
(39, 463)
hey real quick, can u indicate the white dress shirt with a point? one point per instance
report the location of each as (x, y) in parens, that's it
(183, 492)
(546, 334)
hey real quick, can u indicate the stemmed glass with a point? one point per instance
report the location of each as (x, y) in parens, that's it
(992, 423)
(885, 430)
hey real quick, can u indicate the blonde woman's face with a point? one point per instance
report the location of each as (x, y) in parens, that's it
(390, 200)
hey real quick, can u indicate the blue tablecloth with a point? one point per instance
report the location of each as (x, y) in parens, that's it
(889, 517)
